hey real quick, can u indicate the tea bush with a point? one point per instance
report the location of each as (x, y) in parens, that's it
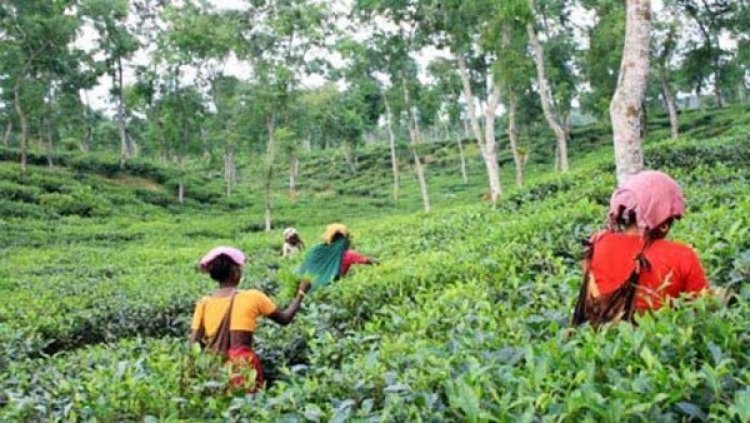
(467, 318)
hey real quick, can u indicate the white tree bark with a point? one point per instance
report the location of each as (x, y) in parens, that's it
(513, 137)
(462, 157)
(485, 143)
(125, 152)
(229, 170)
(392, 143)
(545, 96)
(49, 144)
(490, 147)
(741, 92)
(8, 131)
(625, 108)
(181, 192)
(512, 113)
(668, 97)
(24, 124)
(270, 152)
(293, 171)
(414, 140)
(181, 183)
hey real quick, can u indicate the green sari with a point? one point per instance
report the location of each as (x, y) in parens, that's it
(322, 263)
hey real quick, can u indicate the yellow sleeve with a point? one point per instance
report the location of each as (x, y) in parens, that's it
(265, 305)
(198, 314)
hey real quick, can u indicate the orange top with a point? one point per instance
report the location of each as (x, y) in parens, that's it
(675, 268)
(248, 306)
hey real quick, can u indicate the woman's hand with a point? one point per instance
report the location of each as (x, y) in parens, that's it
(304, 286)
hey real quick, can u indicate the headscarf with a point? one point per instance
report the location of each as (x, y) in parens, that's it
(332, 230)
(653, 196)
(288, 232)
(237, 256)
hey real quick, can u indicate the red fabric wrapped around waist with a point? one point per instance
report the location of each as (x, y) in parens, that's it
(239, 358)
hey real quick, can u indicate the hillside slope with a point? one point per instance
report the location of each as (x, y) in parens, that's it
(466, 319)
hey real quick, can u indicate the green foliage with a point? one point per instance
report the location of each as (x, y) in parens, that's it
(465, 320)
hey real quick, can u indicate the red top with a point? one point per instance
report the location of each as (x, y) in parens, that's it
(351, 257)
(675, 268)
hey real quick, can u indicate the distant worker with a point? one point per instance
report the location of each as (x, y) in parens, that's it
(293, 243)
(331, 259)
(631, 268)
(224, 322)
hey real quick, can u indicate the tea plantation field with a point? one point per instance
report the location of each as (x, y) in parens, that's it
(466, 319)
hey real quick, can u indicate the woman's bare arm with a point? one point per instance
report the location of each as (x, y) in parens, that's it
(284, 317)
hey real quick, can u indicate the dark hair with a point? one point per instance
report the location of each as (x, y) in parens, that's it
(626, 218)
(222, 268)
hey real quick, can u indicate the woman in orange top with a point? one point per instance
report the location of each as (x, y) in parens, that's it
(631, 267)
(237, 309)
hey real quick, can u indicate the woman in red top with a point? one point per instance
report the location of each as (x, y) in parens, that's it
(331, 259)
(631, 267)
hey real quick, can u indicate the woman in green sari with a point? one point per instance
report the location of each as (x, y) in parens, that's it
(331, 259)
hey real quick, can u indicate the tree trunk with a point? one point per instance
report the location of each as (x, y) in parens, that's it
(741, 91)
(545, 96)
(414, 137)
(181, 191)
(229, 170)
(668, 98)
(490, 148)
(513, 137)
(462, 157)
(392, 143)
(24, 123)
(8, 131)
(625, 108)
(48, 145)
(19, 109)
(181, 183)
(86, 142)
(125, 152)
(512, 112)
(270, 152)
(293, 169)
(644, 120)
(717, 84)
(486, 146)
(349, 157)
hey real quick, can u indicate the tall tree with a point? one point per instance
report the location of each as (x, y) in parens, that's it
(664, 45)
(457, 26)
(279, 35)
(35, 50)
(711, 18)
(204, 39)
(556, 108)
(625, 109)
(117, 43)
(448, 85)
(601, 61)
(395, 48)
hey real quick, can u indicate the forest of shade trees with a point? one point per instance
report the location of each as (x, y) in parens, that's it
(198, 80)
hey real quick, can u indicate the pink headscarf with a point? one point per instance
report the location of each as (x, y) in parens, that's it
(652, 195)
(234, 254)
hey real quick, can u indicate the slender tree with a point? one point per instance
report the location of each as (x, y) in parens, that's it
(625, 109)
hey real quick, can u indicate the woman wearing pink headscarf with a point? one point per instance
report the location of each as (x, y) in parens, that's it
(224, 322)
(630, 267)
